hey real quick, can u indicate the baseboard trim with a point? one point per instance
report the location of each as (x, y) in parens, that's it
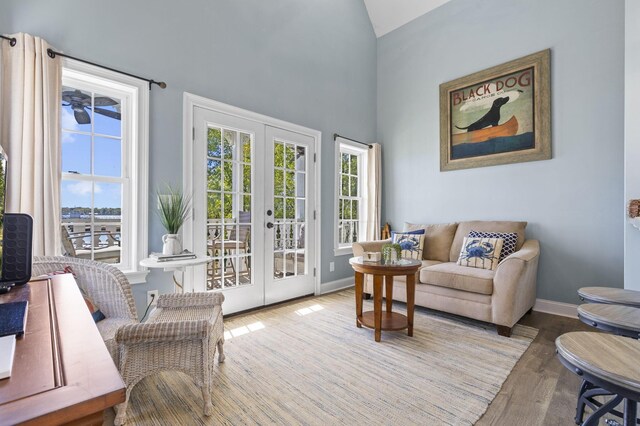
(542, 305)
(336, 285)
(556, 308)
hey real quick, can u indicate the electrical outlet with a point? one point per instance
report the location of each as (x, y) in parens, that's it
(332, 266)
(152, 297)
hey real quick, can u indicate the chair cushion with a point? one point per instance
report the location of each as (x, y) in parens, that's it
(485, 226)
(483, 253)
(437, 239)
(458, 277)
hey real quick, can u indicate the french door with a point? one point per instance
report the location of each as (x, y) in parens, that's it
(253, 189)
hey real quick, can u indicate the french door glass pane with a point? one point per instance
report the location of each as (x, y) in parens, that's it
(229, 206)
(289, 161)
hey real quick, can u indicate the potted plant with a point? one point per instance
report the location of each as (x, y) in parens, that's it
(173, 209)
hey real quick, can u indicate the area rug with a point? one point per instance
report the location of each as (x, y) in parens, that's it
(306, 363)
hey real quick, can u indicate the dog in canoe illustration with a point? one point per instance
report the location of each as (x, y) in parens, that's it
(488, 126)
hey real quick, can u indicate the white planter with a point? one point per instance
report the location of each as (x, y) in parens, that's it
(171, 244)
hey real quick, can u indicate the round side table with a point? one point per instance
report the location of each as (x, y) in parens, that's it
(607, 362)
(616, 319)
(616, 296)
(388, 320)
(175, 265)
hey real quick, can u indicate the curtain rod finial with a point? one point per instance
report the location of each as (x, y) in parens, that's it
(160, 84)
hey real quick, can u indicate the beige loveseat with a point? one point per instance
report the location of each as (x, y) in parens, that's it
(500, 297)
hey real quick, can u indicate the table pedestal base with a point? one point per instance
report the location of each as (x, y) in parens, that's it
(586, 397)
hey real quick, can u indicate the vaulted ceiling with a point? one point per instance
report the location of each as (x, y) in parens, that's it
(387, 15)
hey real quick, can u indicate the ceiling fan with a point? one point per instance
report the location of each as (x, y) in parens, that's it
(81, 102)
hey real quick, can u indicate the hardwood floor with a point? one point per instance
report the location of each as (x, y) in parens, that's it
(539, 390)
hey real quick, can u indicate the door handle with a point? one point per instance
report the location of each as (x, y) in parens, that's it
(269, 225)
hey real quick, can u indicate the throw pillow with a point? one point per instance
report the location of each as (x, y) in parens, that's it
(93, 309)
(481, 253)
(509, 245)
(411, 243)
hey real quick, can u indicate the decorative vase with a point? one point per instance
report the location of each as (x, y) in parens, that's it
(171, 244)
(391, 253)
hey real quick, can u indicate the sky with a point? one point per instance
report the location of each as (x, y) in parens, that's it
(76, 157)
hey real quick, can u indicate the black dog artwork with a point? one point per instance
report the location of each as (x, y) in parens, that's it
(491, 118)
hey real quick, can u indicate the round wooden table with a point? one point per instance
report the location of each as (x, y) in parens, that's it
(616, 296)
(616, 319)
(388, 320)
(607, 362)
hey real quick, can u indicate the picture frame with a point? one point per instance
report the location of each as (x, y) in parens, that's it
(500, 115)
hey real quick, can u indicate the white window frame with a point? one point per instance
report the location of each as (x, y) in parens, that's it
(348, 147)
(134, 95)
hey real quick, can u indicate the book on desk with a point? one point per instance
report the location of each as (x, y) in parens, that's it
(13, 322)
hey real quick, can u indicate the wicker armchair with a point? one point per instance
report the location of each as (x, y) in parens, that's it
(182, 333)
(106, 285)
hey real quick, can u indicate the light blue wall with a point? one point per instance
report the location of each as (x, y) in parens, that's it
(307, 62)
(632, 138)
(574, 202)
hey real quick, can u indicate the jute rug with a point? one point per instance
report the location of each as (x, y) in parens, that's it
(306, 363)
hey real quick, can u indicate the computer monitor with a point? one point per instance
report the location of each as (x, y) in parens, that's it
(15, 239)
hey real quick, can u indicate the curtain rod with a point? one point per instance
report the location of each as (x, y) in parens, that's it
(335, 136)
(52, 54)
(12, 40)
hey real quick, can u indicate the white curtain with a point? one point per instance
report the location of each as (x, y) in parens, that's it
(29, 122)
(374, 195)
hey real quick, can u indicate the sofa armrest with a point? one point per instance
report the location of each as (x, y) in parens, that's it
(514, 285)
(529, 251)
(361, 247)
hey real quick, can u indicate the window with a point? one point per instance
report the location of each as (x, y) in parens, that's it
(351, 201)
(104, 186)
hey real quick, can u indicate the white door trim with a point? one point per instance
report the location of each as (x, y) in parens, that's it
(190, 101)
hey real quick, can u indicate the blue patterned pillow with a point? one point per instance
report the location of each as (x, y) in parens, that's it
(509, 245)
(480, 253)
(411, 243)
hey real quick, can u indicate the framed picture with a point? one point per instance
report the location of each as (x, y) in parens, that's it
(497, 116)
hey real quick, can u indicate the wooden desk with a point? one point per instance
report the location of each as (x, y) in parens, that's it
(388, 320)
(62, 371)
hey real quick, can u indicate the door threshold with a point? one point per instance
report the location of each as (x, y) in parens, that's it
(258, 308)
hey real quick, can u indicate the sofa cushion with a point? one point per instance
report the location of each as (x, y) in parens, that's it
(437, 239)
(484, 226)
(458, 277)
(483, 253)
